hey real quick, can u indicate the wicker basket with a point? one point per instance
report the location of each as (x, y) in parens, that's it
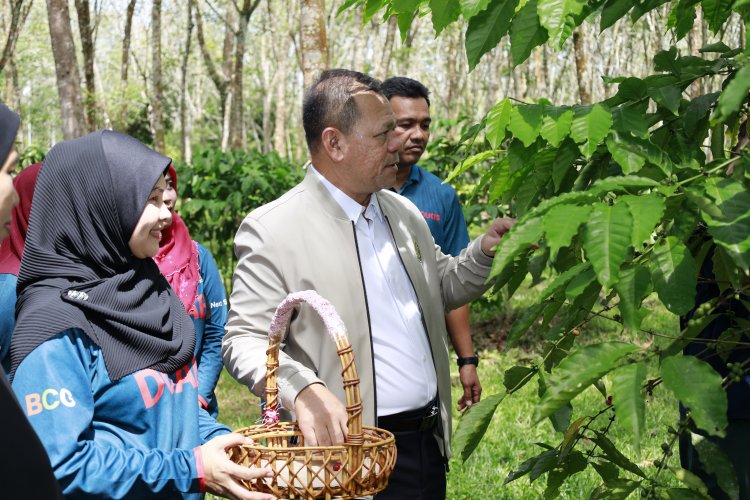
(359, 467)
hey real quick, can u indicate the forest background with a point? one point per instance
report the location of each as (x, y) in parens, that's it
(610, 142)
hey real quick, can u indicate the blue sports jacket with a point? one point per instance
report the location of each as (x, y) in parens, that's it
(209, 315)
(134, 438)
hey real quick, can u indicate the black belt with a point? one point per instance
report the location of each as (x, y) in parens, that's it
(422, 419)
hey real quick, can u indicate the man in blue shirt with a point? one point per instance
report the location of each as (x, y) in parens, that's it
(439, 204)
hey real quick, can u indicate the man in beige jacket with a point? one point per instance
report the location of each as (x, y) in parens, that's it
(368, 251)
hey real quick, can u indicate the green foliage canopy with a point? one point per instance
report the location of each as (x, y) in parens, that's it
(610, 198)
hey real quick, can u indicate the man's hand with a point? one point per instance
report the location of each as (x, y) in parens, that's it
(321, 416)
(223, 475)
(497, 229)
(472, 387)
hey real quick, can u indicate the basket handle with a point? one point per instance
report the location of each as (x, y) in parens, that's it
(337, 331)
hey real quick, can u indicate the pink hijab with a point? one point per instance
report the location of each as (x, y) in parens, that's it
(178, 257)
(11, 248)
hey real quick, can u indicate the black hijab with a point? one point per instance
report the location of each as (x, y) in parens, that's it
(77, 270)
(9, 123)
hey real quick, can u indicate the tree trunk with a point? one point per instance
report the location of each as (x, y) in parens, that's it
(386, 49)
(695, 42)
(185, 149)
(219, 79)
(282, 111)
(584, 95)
(66, 68)
(540, 80)
(157, 108)
(229, 38)
(125, 63)
(237, 128)
(85, 29)
(18, 12)
(313, 40)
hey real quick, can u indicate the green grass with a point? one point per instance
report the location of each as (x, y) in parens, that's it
(511, 437)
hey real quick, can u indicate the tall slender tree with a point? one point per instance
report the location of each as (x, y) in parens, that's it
(185, 146)
(125, 61)
(19, 9)
(66, 68)
(236, 125)
(86, 30)
(157, 94)
(313, 39)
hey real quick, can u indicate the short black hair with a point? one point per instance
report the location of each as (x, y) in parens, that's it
(329, 102)
(400, 86)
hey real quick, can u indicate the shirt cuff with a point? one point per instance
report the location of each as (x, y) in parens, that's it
(199, 468)
(476, 253)
(202, 401)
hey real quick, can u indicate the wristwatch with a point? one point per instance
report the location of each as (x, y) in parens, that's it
(469, 360)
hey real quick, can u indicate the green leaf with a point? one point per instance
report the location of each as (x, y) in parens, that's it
(562, 224)
(716, 462)
(694, 328)
(674, 275)
(668, 97)
(580, 283)
(405, 6)
(613, 11)
(529, 464)
(497, 120)
(578, 371)
(347, 4)
(628, 398)
(523, 323)
(564, 160)
(682, 17)
(726, 272)
(570, 434)
(692, 481)
(473, 424)
(553, 16)
(371, 8)
(517, 240)
(471, 8)
(404, 23)
(698, 387)
(633, 287)
(526, 122)
(606, 470)
(526, 33)
(718, 47)
(590, 128)
(444, 12)
(632, 153)
(469, 162)
(627, 152)
(613, 454)
(682, 494)
(606, 239)
(617, 489)
(630, 119)
(695, 115)
(485, 31)
(647, 211)
(562, 279)
(556, 124)
(730, 223)
(716, 12)
(632, 89)
(572, 464)
(517, 377)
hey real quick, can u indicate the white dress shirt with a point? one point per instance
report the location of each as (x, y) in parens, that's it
(405, 376)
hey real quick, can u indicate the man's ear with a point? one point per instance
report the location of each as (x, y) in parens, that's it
(333, 143)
